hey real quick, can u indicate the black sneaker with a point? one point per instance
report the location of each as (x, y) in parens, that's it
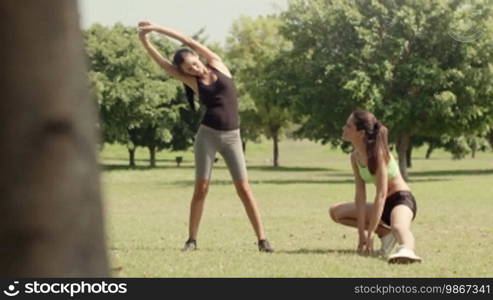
(264, 246)
(190, 245)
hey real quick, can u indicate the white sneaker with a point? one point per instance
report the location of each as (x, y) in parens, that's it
(387, 243)
(403, 256)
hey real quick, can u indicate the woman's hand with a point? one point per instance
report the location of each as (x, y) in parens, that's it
(368, 250)
(145, 23)
(361, 243)
(145, 27)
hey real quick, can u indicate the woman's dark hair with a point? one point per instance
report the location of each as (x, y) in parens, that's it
(178, 59)
(376, 138)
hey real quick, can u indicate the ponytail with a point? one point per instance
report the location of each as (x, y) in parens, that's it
(189, 95)
(377, 146)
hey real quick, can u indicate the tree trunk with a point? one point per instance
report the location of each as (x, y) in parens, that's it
(131, 156)
(51, 217)
(403, 143)
(429, 151)
(275, 139)
(409, 154)
(243, 145)
(152, 156)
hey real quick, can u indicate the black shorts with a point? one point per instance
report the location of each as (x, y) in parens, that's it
(398, 198)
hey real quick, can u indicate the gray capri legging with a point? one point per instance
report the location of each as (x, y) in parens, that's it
(208, 141)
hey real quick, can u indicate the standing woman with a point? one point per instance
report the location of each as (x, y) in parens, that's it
(391, 214)
(219, 130)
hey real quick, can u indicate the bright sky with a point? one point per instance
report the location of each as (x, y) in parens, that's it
(187, 16)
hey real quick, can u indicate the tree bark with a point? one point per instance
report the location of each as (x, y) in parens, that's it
(275, 139)
(429, 151)
(131, 157)
(243, 146)
(152, 156)
(51, 216)
(403, 143)
(409, 154)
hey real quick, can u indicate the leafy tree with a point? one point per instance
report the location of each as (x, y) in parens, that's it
(137, 99)
(395, 58)
(255, 46)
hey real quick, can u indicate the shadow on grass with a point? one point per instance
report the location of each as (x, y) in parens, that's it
(164, 249)
(416, 180)
(290, 181)
(349, 252)
(109, 168)
(268, 181)
(290, 169)
(125, 160)
(320, 251)
(348, 177)
(451, 173)
(172, 165)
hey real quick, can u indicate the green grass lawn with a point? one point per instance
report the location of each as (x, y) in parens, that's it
(147, 216)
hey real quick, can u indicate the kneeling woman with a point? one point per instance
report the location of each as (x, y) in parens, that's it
(391, 214)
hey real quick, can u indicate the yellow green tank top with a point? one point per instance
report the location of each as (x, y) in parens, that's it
(392, 171)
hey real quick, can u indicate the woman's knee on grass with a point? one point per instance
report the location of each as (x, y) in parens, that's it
(334, 212)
